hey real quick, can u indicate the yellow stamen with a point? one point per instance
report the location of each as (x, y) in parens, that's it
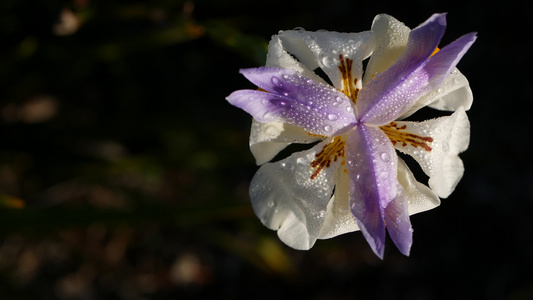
(397, 135)
(348, 84)
(330, 152)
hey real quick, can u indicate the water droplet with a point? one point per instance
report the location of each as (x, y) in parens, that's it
(271, 130)
(328, 128)
(320, 215)
(440, 90)
(275, 80)
(326, 61)
(270, 204)
(338, 99)
(333, 117)
(285, 76)
(264, 101)
(349, 108)
(385, 156)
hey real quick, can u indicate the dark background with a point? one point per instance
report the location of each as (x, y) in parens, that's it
(124, 172)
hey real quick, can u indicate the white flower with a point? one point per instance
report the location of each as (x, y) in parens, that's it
(353, 179)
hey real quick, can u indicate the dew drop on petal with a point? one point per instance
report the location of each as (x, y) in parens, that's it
(328, 128)
(270, 204)
(276, 81)
(271, 130)
(440, 90)
(333, 117)
(385, 157)
(349, 109)
(326, 61)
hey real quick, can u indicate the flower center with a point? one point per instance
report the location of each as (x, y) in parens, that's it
(330, 152)
(398, 134)
(348, 82)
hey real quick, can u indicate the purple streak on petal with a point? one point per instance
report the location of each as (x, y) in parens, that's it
(443, 62)
(392, 92)
(398, 222)
(372, 167)
(295, 99)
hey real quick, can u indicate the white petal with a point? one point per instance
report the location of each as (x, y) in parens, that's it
(323, 49)
(451, 135)
(452, 94)
(339, 219)
(278, 56)
(285, 198)
(391, 38)
(419, 197)
(268, 139)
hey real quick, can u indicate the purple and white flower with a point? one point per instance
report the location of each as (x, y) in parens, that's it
(353, 179)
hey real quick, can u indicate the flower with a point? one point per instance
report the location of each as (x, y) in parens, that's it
(353, 179)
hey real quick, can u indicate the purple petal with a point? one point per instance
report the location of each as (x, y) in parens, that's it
(372, 167)
(443, 62)
(398, 222)
(295, 99)
(392, 92)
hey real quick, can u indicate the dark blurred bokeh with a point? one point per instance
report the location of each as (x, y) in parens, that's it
(124, 172)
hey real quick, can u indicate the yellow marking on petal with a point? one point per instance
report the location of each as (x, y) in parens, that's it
(348, 83)
(315, 135)
(435, 51)
(330, 152)
(399, 135)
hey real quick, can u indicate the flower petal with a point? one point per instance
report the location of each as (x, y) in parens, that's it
(268, 139)
(452, 94)
(394, 91)
(419, 197)
(277, 56)
(339, 218)
(285, 198)
(440, 65)
(391, 38)
(294, 99)
(398, 222)
(323, 49)
(450, 135)
(372, 167)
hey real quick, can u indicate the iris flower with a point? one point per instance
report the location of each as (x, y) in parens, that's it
(352, 178)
